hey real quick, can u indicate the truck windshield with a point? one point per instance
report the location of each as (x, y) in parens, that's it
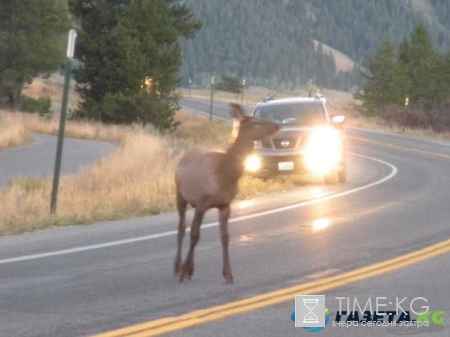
(293, 114)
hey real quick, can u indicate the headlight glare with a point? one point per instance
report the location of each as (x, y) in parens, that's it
(324, 150)
(253, 163)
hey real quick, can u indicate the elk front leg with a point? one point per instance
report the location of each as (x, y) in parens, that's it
(187, 270)
(224, 214)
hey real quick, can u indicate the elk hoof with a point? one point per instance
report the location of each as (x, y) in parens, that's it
(228, 277)
(229, 281)
(185, 272)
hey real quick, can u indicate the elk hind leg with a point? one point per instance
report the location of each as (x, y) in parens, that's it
(181, 207)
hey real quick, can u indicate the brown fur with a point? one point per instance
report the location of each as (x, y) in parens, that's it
(210, 180)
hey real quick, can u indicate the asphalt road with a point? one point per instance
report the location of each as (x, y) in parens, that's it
(80, 281)
(38, 158)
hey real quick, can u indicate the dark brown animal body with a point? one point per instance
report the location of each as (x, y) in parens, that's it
(210, 180)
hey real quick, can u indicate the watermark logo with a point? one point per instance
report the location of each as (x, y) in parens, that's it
(312, 315)
(316, 329)
(310, 312)
(436, 317)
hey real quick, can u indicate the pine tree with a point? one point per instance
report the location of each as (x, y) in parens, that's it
(130, 58)
(386, 80)
(33, 37)
(422, 63)
(229, 83)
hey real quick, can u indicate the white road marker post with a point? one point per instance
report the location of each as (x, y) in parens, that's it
(62, 122)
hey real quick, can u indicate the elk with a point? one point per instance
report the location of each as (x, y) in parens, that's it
(207, 180)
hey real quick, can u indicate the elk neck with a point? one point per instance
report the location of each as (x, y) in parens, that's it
(232, 164)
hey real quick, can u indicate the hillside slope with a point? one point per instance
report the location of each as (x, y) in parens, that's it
(278, 43)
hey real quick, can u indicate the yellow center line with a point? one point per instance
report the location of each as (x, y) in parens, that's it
(175, 323)
(440, 155)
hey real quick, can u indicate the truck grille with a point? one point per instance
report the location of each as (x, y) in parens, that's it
(285, 143)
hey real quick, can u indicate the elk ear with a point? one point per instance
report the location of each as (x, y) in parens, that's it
(237, 112)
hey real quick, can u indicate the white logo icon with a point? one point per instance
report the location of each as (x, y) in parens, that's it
(285, 143)
(310, 303)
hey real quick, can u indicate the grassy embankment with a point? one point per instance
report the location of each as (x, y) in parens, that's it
(135, 181)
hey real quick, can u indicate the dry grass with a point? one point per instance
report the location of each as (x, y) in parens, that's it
(199, 132)
(84, 130)
(135, 181)
(12, 132)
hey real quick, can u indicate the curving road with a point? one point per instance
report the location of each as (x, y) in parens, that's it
(81, 281)
(38, 158)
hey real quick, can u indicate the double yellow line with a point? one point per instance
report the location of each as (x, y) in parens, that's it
(175, 323)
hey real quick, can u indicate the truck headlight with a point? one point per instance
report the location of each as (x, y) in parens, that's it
(253, 163)
(324, 150)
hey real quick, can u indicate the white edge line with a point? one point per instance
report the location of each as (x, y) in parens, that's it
(213, 224)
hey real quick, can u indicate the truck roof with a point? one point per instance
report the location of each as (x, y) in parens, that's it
(292, 100)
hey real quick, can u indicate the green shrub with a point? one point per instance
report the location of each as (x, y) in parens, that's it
(42, 105)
